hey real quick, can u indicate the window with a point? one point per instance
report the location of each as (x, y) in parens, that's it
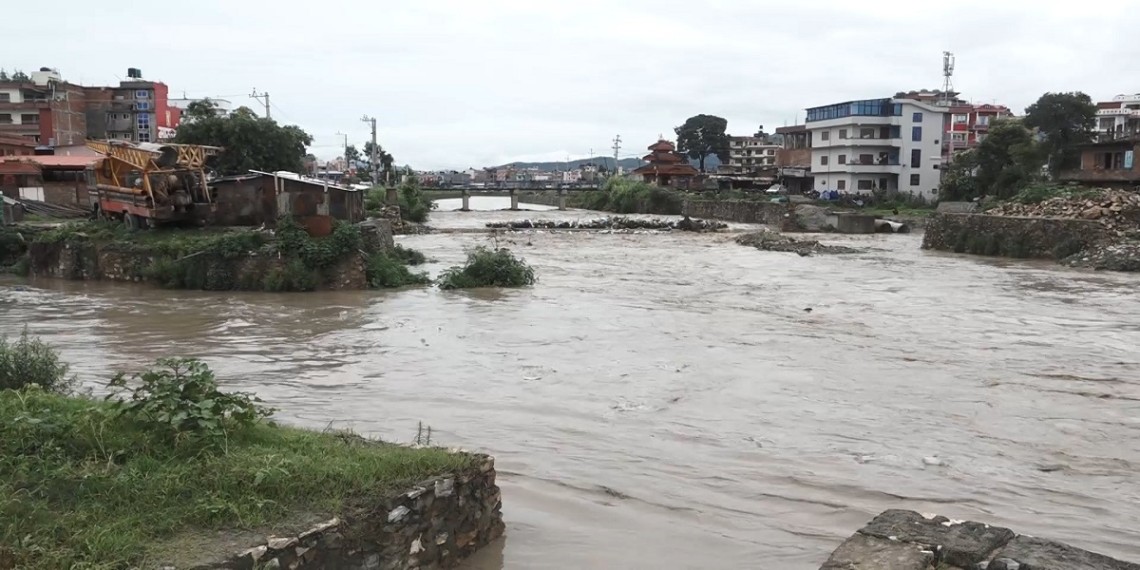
(917, 118)
(1111, 160)
(866, 185)
(841, 185)
(914, 179)
(843, 159)
(142, 106)
(916, 134)
(896, 132)
(983, 120)
(144, 137)
(5, 97)
(915, 158)
(842, 133)
(823, 160)
(30, 119)
(882, 184)
(866, 159)
(958, 137)
(825, 135)
(961, 119)
(866, 133)
(771, 152)
(5, 118)
(142, 94)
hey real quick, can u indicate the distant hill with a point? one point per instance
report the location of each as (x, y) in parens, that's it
(711, 163)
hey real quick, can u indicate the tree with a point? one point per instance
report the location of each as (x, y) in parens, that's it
(20, 76)
(385, 161)
(250, 142)
(701, 136)
(1066, 120)
(1007, 160)
(351, 156)
(4, 75)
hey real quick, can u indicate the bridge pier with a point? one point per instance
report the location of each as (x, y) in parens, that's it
(514, 199)
(466, 201)
(561, 198)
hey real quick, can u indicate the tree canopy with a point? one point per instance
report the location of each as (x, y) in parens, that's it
(250, 142)
(1006, 161)
(1066, 120)
(701, 136)
(386, 161)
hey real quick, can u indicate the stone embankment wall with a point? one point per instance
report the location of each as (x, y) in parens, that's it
(742, 211)
(905, 540)
(114, 262)
(436, 524)
(1052, 238)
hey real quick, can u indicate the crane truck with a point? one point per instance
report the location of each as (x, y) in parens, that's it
(146, 184)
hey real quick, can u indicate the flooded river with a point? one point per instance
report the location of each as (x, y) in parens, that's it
(666, 401)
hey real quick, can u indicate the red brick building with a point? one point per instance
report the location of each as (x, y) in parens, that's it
(16, 146)
(53, 112)
(43, 108)
(967, 124)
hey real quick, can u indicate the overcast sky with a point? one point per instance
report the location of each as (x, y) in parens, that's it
(461, 83)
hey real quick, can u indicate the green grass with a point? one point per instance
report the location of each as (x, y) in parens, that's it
(82, 488)
(388, 271)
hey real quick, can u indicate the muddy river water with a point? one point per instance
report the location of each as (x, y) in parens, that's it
(666, 401)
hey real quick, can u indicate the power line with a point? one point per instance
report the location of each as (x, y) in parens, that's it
(259, 97)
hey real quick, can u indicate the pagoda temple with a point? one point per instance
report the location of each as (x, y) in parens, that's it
(666, 167)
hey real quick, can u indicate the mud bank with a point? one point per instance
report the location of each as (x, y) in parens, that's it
(906, 540)
(436, 524)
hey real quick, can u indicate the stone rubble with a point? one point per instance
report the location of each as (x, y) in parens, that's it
(906, 540)
(614, 223)
(768, 240)
(1117, 210)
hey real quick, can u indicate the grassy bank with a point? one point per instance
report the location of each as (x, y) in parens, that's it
(172, 468)
(626, 196)
(285, 259)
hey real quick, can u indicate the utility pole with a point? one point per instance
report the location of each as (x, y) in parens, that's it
(259, 97)
(347, 166)
(617, 149)
(375, 155)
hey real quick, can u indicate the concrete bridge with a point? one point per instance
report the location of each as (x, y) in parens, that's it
(514, 193)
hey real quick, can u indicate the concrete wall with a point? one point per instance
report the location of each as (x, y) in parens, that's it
(1010, 236)
(436, 524)
(906, 540)
(740, 211)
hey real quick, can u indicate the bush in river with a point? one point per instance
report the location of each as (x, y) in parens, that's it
(487, 267)
(388, 270)
(30, 361)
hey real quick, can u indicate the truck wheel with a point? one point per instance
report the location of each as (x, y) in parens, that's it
(131, 221)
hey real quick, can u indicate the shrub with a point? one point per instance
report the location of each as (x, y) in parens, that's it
(179, 401)
(1036, 193)
(627, 196)
(386, 271)
(488, 268)
(408, 255)
(32, 361)
(414, 205)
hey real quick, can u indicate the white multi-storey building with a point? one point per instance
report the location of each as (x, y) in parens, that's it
(1119, 117)
(859, 147)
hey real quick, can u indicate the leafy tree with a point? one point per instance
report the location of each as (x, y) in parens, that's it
(959, 180)
(701, 136)
(385, 161)
(1066, 120)
(250, 142)
(1006, 161)
(4, 75)
(351, 156)
(20, 76)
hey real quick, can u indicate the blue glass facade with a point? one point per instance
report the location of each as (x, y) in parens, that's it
(867, 108)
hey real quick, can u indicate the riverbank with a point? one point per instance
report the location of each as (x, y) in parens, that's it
(1095, 229)
(81, 488)
(285, 258)
(906, 540)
